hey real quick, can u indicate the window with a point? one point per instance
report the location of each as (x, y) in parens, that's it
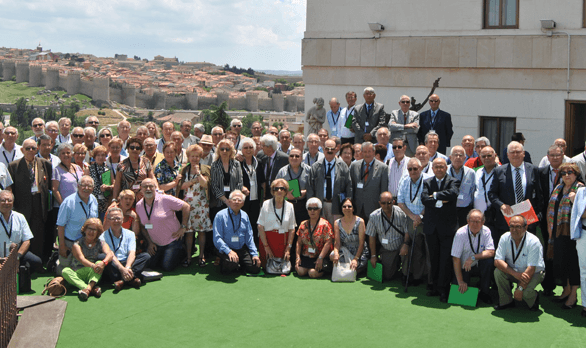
(501, 14)
(498, 130)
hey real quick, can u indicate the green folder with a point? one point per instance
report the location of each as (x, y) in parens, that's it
(469, 298)
(107, 180)
(348, 123)
(375, 274)
(294, 186)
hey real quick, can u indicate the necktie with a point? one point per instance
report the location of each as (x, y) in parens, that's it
(405, 119)
(367, 109)
(329, 182)
(269, 168)
(366, 173)
(518, 185)
(432, 119)
(31, 173)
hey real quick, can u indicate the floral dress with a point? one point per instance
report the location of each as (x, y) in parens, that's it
(96, 172)
(166, 173)
(199, 217)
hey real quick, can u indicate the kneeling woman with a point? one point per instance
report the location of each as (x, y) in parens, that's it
(90, 257)
(314, 241)
(350, 236)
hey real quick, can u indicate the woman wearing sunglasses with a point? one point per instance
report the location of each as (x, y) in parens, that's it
(104, 136)
(565, 256)
(133, 170)
(276, 224)
(350, 239)
(314, 242)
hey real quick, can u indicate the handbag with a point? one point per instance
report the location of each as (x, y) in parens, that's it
(342, 272)
(55, 287)
(278, 266)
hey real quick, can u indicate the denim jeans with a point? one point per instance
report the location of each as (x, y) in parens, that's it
(168, 256)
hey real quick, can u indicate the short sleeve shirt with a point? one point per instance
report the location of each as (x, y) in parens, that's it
(122, 246)
(530, 255)
(15, 230)
(162, 218)
(462, 245)
(322, 234)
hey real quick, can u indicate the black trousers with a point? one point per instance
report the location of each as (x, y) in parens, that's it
(138, 266)
(484, 269)
(440, 247)
(244, 261)
(462, 214)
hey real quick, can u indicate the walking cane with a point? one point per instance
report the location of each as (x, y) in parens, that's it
(410, 260)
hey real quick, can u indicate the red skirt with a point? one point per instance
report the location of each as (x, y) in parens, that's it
(277, 242)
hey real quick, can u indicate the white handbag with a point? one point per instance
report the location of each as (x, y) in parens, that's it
(342, 271)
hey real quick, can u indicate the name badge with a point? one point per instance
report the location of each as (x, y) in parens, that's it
(359, 185)
(160, 191)
(234, 239)
(34, 188)
(148, 226)
(385, 241)
(101, 196)
(189, 195)
(226, 188)
(460, 197)
(366, 124)
(439, 204)
(282, 230)
(311, 250)
(136, 187)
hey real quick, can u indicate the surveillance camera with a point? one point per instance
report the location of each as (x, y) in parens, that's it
(376, 26)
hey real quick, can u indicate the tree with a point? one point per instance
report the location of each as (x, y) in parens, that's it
(20, 115)
(247, 122)
(216, 115)
(281, 80)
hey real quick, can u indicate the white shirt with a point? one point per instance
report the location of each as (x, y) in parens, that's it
(345, 132)
(5, 178)
(483, 183)
(64, 139)
(20, 231)
(270, 222)
(307, 159)
(530, 255)
(397, 171)
(9, 156)
(461, 247)
(545, 161)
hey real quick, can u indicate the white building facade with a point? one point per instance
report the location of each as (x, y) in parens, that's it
(500, 71)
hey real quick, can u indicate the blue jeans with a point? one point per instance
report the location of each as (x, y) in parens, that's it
(169, 256)
(35, 263)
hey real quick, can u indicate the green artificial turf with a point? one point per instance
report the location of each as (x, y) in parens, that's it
(198, 307)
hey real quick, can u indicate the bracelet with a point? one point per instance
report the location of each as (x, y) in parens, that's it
(373, 257)
(105, 262)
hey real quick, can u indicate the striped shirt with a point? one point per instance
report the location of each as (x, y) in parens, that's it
(410, 193)
(396, 173)
(531, 254)
(379, 225)
(462, 246)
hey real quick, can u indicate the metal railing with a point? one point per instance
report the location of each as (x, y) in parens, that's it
(8, 310)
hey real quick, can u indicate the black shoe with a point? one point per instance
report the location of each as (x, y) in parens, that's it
(535, 306)
(499, 307)
(547, 292)
(583, 314)
(443, 298)
(484, 297)
(432, 293)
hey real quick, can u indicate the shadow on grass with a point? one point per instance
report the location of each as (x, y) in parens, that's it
(571, 316)
(519, 314)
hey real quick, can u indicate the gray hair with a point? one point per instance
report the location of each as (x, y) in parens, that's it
(457, 147)
(369, 90)
(86, 177)
(383, 129)
(299, 135)
(432, 133)
(143, 128)
(38, 118)
(7, 193)
(514, 143)
(485, 139)
(270, 140)
(115, 210)
(218, 127)
(416, 160)
(553, 148)
(63, 119)
(313, 200)
(52, 123)
(184, 122)
(237, 192)
(365, 144)
(88, 118)
(475, 211)
(90, 129)
(64, 146)
(234, 121)
(119, 123)
(200, 126)
(105, 129)
(283, 131)
(248, 141)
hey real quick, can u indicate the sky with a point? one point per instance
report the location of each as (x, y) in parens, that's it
(258, 34)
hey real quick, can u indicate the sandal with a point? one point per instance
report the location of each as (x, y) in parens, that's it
(187, 262)
(83, 294)
(217, 262)
(202, 263)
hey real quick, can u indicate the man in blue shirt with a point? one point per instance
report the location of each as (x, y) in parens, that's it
(233, 237)
(73, 212)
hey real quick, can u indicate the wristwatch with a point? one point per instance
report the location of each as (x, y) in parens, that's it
(520, 288)
(183, 226)
(473, 258)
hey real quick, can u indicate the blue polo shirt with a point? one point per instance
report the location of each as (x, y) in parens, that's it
(73, 213)
(233, 234)
(121, 247)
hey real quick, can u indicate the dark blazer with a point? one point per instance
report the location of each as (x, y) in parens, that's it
(260, 179)
(443, 127)
(544, 173)
(342, 183)
(281, 160)
(368, 196)
(502, 191)
(376, 119)
(444, 219)
(22, 186)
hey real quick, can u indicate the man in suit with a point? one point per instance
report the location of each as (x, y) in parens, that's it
(440, 222)
(329, 181)
(437, 120)
(32, 180)
(368, 117)
(513, 183)
(561, 143)
(404, 123)
(369, 178)
(273, 160)
(580, 160)
(549, 178)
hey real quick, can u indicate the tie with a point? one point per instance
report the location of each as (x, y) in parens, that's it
(269, 168)
(405, 119)
(518, 185)
(366, 173)
(432, 119)
(367, 109)
(329, 182)
(31, 173)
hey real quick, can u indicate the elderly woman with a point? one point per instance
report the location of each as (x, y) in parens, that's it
(565, 256)
(79, 154)
(314, 241)
(297, 170)
(276, 224)
(142, 133)
(66, 175)
(347, 153)
(153, 130)
(350, 237)
(194, 190)
(167, 171)
(578, 233)
(180, 155)
(133, 170)
(105, 136)
(253, 180)
(90, 257)
(114, 155)
(100, 173)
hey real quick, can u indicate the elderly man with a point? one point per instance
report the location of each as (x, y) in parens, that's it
(383, 138)
(357, 151)
(126, 267)
(16, 233)
(45, 146)
(397, 166)
(236, 127)
(467, 179)
(32, 182)
(73, 212)
(329, 181)
(273, 160)
(388, 224)
(409, 200)
(438, 121)
(563, 145)
(299, 142)
(479, 144)
(274, 131)
(333, 117)
(180, 155)
(92, 121)
(518, 137)
(285, 141)
(404, 123)
(64, 127)
(518, 259)
(323, 136)
(369, 178)
(580, 160)
(150, 152)
(468, 145)
(368, 117)
(123, 128)
(10, 150)
(233, 237)
(484, 177)
(256, 129)
(77, 136)
(161, 227)
(217, 135)
(312, 155)
(432, 143)
(188, 138)
(514, 183)
(168, 129)
(473, 254)
(422, 154)
(346, 133)
(38, 126)
(440, 194)
(52, 130)
(207, 146)
(90, 142)
(199, 130)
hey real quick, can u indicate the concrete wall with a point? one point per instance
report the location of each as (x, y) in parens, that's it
(129, 95)
(51, 78)
(73, 82)
(238, 103)
(278, 102)
(101, 90)
(62, 81)
(291, 103)
(86, 88)
(252, 101)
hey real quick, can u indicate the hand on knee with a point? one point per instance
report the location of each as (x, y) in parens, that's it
(314, 274)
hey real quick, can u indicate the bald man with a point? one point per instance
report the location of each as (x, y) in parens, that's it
(563, 145)
(437, 120)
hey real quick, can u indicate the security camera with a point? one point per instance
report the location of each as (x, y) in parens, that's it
(376, 26)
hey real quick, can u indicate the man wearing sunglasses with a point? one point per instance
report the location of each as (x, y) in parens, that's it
(368, 117)
(77, 136)
(397, 166)
(38, 126)
(437, 120)
(329, 181)
(9, 149)
(92, 121)
(236, 126)
(405, 123)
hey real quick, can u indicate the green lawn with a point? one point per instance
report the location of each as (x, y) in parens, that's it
(11, 91)
(198, 307)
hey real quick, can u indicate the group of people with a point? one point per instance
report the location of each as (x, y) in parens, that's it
(378, 189)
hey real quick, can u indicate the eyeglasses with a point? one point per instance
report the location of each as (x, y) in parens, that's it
(115, 219)
(516, 226)
(77, 135)
(274, 133)
(10, 133)
(397, 147)
(6, 201)
(105, 135)
(247, 148)
(486, 156)
(405, 102)
(218, 134)
(330, 148)
(236, 200)
(347, 207)
(515, 152)
(555, 156)
(322, 135)
(224, 149)
(134, 148)
(279, 188)
(386, 203)
(474, 221)
(52, 130)
(294, 156)
(86, 186)
(434, 100)
(237, 125)
(569, 172)
(38, 125)
(93, 122)
(312, 208)
(458, 155)
(31, 148)
(79, 153)
(413, 169)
